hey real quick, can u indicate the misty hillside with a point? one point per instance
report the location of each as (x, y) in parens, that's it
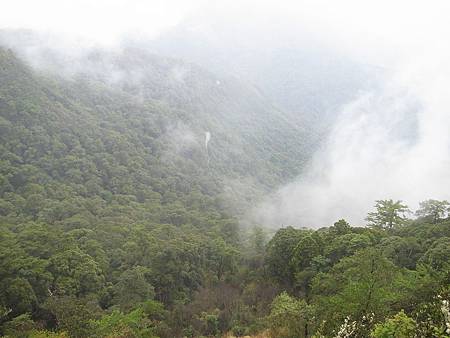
(243, 123)
(167, 106)
(106, 182)
(240, 118)
(220, 177)
(307, 81)
(94, 192)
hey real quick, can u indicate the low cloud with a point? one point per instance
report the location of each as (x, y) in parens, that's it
(390, 143)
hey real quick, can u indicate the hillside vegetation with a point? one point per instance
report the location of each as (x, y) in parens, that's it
(116, 220)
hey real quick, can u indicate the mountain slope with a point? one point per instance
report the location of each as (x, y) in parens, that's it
(307, 80)
(242, 121)
(101, 185)
(90, 194)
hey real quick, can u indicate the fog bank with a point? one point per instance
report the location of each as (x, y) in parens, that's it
(392, 143)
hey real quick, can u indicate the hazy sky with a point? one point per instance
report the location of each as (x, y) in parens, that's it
(103, 21)
(106, 21)
(379, 32)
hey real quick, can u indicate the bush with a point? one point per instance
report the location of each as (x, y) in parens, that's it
(400, 326)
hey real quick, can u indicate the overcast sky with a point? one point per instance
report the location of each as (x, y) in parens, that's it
(345, 22)
(103, 21)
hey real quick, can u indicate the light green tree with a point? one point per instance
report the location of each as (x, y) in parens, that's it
(388, 214)
(433, 209)
(289, 317)
(356, 286)
(399, 326)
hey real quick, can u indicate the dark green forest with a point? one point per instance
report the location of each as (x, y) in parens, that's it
(117, 221)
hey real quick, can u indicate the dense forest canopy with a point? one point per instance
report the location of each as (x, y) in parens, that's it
(126, 181)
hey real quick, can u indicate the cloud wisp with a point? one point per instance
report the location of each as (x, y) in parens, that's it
(390, 143)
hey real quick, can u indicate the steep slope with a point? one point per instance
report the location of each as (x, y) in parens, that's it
(106, 196)
(91, 194)
(89, 142)
(243, 123)
(307, 81)
(253, 148)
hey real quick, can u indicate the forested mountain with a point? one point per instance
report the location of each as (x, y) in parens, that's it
(101, 183)
(307, 80)
(119, 219)
(240, 118)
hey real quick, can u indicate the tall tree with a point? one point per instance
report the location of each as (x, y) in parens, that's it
(357, 286)
(434, 210)
(289, 317)
(388, 214)
(279, 252)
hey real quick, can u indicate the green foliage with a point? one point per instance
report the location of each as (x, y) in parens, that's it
(341, 227)
(357, 286)
(400, 326)
(20, 326)
(48, 334)
(388, 214)
(19, 294)
(404, 252)
(306, 249)
(437, 256)
(73, 315)
(289, 317)
(99, 206)
(133, 288)
(77, 273)
(210, 322)
(115, 222)
(434, 210)
(117, 324)
(346, 245)
(279, 253)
